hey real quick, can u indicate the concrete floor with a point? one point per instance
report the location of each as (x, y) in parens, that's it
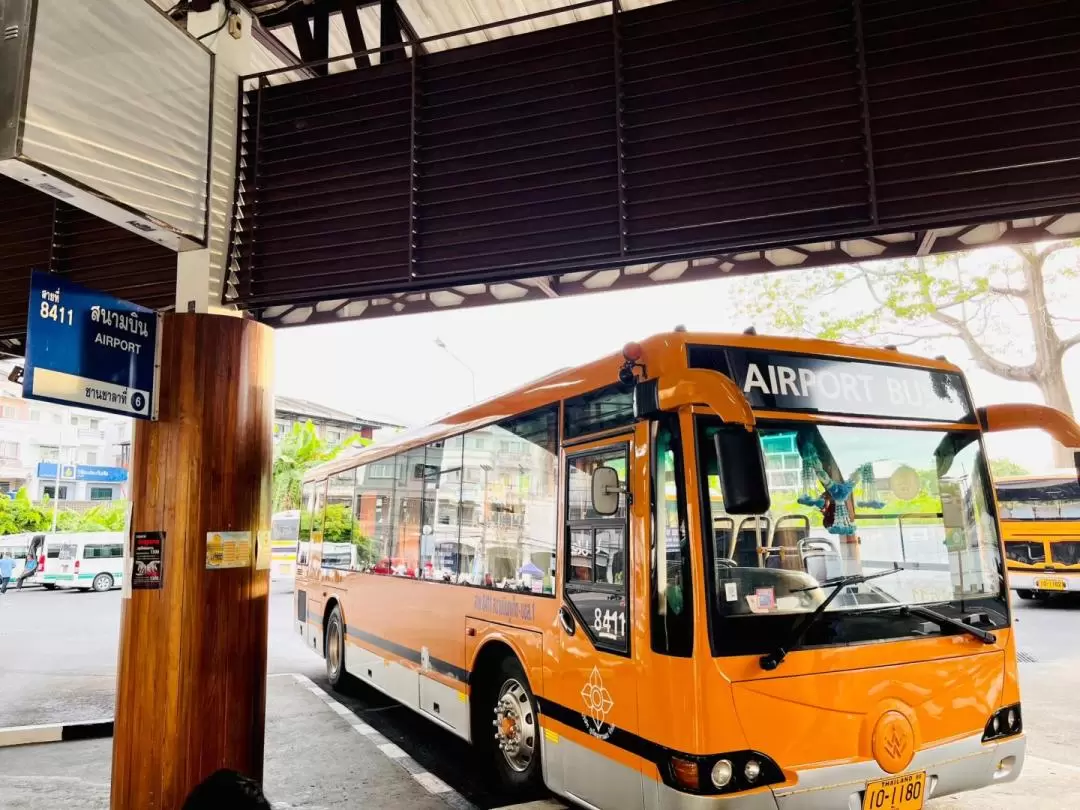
(328, 766)
(58, 658)
(58, 653)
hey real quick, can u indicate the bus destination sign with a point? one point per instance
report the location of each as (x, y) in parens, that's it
(792, 382)
(89, 349)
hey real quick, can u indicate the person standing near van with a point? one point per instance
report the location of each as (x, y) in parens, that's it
(29, 567)
(7, 565)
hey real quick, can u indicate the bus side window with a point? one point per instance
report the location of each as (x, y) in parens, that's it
(671, 604)
(596, 560)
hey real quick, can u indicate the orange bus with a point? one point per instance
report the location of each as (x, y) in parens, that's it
(1040, 523)
(711, 571)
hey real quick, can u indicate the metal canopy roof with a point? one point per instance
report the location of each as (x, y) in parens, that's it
(38, 232)
(588, 150)
(461, 159)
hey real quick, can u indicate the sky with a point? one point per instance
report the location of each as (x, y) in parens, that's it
(392, 368)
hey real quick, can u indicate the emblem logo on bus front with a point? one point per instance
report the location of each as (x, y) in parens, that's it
(599, 702)
(893, 741)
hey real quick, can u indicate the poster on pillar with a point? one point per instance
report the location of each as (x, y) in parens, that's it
(149, 563)
(228, 550)
(90, 349)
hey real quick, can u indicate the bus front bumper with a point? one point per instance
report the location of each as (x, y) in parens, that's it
(1038, 580)
(966, 764)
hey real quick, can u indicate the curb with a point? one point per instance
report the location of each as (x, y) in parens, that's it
(57, 732)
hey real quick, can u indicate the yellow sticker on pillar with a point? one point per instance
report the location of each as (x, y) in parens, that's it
(228, 549)
(262, 550)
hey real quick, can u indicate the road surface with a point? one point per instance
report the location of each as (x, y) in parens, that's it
(58, 663)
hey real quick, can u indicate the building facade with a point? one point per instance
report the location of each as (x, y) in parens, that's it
(60, 452)
(332, 426)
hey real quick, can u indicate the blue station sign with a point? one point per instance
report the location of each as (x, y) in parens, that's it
(89, 349)
(46, 470)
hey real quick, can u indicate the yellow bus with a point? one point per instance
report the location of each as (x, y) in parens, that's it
(1040, 523)
(712, 571)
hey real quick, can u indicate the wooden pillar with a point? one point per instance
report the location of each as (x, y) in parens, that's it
(191, 685)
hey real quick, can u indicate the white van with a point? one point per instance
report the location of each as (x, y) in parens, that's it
(91, 561)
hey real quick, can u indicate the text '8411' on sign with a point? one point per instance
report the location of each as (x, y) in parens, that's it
(90, 349)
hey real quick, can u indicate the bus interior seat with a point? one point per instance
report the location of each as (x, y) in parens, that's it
(723, 531)
(821, 558)
(752, 534)
(790, 530)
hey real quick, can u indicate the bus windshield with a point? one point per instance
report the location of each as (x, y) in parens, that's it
(1050, 498)
(850, 500)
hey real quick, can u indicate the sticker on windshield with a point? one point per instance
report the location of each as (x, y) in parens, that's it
(905, 483)
(763, 600)
(731, 591)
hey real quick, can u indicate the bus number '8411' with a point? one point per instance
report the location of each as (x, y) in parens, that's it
(610, 624)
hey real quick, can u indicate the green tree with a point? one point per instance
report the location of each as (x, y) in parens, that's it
(108, 517)
(18, 515)
(1005, 467)
(1008, 306)
(338, 523)
(299, 451)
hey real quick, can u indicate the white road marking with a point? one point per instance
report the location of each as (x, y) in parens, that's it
(1053, 763)
(392, 751)
(429, 781)
(432, 783)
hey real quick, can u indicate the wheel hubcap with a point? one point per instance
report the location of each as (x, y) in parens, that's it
(515, 725)
(335, 649)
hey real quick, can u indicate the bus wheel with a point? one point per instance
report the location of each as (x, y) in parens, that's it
(49, 586)
(1025, 594)
(335, 648)
(516, 749)
(102, 583)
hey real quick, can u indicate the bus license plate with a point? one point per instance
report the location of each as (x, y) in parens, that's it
(896, 793)
(1050, 584)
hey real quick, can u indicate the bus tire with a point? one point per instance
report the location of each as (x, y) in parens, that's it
(1023, 593)
(334, 647)
(49, 586)
(512, 740)
(102, 583)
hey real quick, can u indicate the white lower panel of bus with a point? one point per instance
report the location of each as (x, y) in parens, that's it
(593, 780)
(438, 702)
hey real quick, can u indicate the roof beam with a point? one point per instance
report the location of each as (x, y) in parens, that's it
(277, 48)
(351, 17)
(312, 48)
(410, 32)
(390, 30)
(280, 17)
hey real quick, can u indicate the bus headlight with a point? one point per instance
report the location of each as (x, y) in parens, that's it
(752, 770)
(722, 773)
(1005, 722)
(730, 772)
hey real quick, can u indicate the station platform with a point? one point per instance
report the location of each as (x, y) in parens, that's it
(319, 756)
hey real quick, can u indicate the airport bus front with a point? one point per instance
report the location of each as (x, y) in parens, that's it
(860, 650)
(1040, 522)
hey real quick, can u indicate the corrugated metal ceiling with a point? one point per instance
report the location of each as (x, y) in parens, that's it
(433, 19)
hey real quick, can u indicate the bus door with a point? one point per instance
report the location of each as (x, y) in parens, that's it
(594, 685)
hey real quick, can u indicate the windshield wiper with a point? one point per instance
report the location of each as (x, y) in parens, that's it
(772, 660)
(940, 619)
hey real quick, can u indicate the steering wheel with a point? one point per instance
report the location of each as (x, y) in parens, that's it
(726, 562)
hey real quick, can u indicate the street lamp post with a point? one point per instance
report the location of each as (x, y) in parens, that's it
(472, 374)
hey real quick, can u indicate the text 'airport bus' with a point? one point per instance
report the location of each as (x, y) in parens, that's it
(715, 571)
(1040, 523)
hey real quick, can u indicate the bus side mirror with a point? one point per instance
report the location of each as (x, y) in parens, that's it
(743, 481)
(605, 491)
